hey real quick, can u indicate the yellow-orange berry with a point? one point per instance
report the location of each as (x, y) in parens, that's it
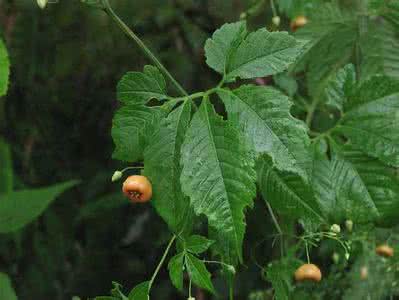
(137, 188)
(308, 272)
(298, 22)
(384, 250)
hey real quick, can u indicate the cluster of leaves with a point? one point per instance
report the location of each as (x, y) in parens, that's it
(208, 160)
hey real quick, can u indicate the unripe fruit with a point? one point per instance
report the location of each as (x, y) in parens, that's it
(349, 225)
(276, 20)
(137, 188)
(308, 272)
(384, 250)
(364, 273)
(335, 228)
(298, 22)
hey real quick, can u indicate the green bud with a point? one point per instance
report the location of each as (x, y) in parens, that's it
(42, 3)
(335, 257)
(117, 175)
(231, 269)
(276, 20)
(335, 228)
(349, 225)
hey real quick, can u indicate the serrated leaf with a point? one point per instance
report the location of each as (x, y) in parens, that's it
(176, 268)
(131, 127)
(366, 190)
(234, 53)
(264, 116)
(218, 177)
(140, 291)
(223, 42)
(19, 208)
(199, 273)
(197, 244)
(340, 86)
(371, 119)
(6, 168)
(6, 289)
(280, 274)
(332, 34)
(379, 45)
(162, 166)
(4, 69)
(287, 193)
(137, 87)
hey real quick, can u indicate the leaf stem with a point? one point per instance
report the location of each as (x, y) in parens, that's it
(274, 218)
(108, 9)
(161, 261)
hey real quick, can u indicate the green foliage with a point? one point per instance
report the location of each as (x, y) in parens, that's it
(19, 208)
(6, 289)
(233, 52)
(165, 145)
(176, 269)
(198, 272)
(218, 176)
(6, 170)
(279, 273)
(140, 291)
(264, 116)
(4, 69)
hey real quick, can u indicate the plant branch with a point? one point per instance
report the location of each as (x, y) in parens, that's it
(161, 261)
(108, 9)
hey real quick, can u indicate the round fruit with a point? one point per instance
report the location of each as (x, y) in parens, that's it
(384, 250)
(364, 273)
(308, 272)
(137, 188)
(298, 22)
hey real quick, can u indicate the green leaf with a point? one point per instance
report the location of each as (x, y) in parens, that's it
(198, 244)
(332, 34)
(134, 123)
(371, 119)
(162, 166)
(340, 86)
(198, 272)
(137, 87)
(280, 274)
(19, 208)
(218, 176)
(287, 193)
(140, 291)
(6, 290)
(131, 127)
(6, 168)
(4, 69)
(235, 53)
(264, 116)
(286, 83)
(106, 298)
(176, 269)
(379, 45)
(366, 190)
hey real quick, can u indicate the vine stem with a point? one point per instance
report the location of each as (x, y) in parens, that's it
(108, 9)
(161, 261)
